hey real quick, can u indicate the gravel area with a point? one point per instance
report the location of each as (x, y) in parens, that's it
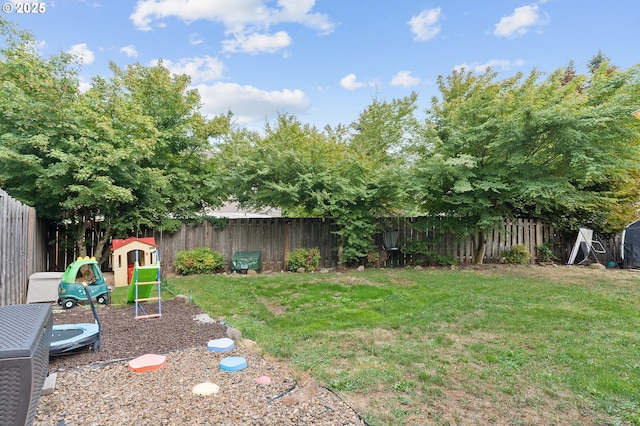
(98, 388)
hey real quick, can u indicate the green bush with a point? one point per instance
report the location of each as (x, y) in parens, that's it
(309, 259)
(202, 260)
(517, 255)
(547, 252)
(445, 260)
(423, 256)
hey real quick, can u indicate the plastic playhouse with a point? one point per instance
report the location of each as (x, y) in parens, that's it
(71, 289)
(125, 253)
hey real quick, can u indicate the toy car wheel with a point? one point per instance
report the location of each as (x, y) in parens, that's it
(68, 303)
(102, 299)
(59, 301)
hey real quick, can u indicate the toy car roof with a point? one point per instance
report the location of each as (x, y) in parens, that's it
(72, 270)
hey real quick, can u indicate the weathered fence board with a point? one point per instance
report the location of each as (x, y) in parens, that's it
(22, 249)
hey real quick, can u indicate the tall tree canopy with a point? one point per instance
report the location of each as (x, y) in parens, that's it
(564, 149)
(352, 177)
(37, 101)
(130, 152)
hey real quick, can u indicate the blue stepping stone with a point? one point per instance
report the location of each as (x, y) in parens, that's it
(233, 363)
(221, 345)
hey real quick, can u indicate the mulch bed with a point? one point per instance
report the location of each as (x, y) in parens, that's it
(125, 337)
(97, 388)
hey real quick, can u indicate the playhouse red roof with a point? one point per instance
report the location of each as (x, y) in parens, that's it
(116, 244)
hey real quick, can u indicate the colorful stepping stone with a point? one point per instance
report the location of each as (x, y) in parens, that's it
(221, 345)
(206, 388)
(147, 362)
(233, 363)
(263, 380)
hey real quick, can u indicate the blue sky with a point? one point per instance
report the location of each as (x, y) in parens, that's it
(326, 60)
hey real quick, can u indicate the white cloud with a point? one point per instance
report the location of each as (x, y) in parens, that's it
(40, 46)
(130, 51)
(82, 52)
(250, 104)
(405, 79)
(300, 11)
(194, 39)
(84, 85)
(350, 82)
(230, 14)
(519, 23)
(242, 19)
(503, 64)
(425, 25)
(200, 70)
(255, 43)
(90, 4)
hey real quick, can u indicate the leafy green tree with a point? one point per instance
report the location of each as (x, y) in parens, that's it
(309, 173)
(131, 152)
(292, 166)
(557, 149)
(379, 141)
(178, 182)
(598, 59)
(279, 168)
(384, 130)
(36, 100)
(95, 174)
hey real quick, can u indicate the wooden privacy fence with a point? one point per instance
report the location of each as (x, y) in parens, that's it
(22, 249)
(527, 232)
(275, 237)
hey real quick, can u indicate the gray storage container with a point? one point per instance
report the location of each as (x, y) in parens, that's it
(25, 337)
(43, 287)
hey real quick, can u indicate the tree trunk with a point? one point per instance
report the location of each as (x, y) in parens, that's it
(478, 257)
(340, 251)
(81, 244)
(101, 254)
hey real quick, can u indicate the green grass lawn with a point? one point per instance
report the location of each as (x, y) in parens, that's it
(511, 345)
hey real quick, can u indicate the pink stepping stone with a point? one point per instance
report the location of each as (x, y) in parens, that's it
(147, 362)
(263, 380)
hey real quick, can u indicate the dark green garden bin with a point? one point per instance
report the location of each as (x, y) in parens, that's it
(245, 260)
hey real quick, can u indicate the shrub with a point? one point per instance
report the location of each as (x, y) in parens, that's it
(547, 252)
(309, 259)
(373, 259)
(202, 260)
(517, 255)
(416, 249)
(445, 260)
(422, 255)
